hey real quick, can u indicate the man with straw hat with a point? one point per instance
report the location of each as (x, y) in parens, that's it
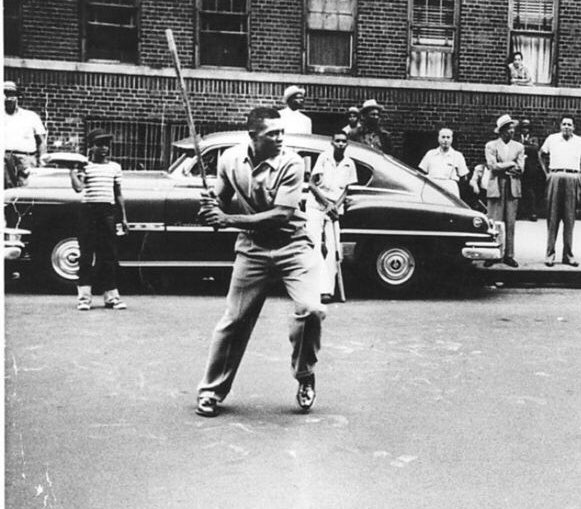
(293, 120)
(369, 132)
(505, 158)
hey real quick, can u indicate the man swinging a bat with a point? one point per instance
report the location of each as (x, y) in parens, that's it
(267, 180)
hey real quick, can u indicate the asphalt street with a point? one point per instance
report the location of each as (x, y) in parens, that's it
(465, 402)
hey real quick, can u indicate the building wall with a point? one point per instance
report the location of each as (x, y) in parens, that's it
(67, 97)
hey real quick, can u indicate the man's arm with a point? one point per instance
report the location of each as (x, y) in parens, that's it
(543, 158)
(40, 146)
(278, 216)
(494, 165)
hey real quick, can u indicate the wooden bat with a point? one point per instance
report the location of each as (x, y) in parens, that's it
(338, 260)
(182, 86)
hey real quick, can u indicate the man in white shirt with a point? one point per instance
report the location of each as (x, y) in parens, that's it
(24, 138)
(444, 165)
(293, 120)
(563, 187)
(332, 174)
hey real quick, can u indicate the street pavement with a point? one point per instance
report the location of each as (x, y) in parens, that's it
(469, 401)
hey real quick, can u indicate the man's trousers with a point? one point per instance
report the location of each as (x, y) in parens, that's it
(504, 209)
(319, 224)
(255, 270)
(562, 196)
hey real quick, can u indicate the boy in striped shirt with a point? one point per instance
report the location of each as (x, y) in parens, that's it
(100, 183)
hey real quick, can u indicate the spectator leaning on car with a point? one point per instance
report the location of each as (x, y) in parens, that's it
(332, 174)
(267, 181)
(370, 132)
(293, 120)
(563, 187)
(24, 139)
(505, 159)
(100, 183)
(445, 165)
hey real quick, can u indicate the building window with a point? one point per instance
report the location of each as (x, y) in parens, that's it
(330, 31)
(433, 38)
(223, 33)
(110, 30)
(12, 27)
(533, 34)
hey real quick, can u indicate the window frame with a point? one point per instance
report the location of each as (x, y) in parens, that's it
(329, 69)
(441, 49)
(198, 35)
(84, 23)
(553, 35)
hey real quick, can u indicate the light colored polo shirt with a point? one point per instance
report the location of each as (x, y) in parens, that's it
(99, 181)
(20, 129)
(563, 154)
(295, 122)
(334, 178)
(440, 165)
(277, 181)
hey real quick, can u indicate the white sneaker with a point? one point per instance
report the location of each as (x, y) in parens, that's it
(84, 305)
(115, 303)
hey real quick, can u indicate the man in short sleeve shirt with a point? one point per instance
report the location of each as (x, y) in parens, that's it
(24, 138)
(332, 174)
(563, 187)
(267, 180)
(444, 165)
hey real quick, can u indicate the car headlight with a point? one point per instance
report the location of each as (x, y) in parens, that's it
(477, 222)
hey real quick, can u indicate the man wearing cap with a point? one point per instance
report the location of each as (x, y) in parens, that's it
(505, 159)
(293, 120)
(533, 179)
(369, 132)
(267, 181)
(100, 183)
(24, 138)
(353, 116)
(444, 165)
(563, 187)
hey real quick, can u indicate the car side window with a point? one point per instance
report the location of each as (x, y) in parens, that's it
(364, 173)
(211, 159)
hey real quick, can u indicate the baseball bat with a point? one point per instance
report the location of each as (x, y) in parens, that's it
(190, 118)
(338, 259)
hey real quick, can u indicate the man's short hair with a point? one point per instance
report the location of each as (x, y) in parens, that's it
(257, 116)
(337, 131)
(566, 115)
(445, 128)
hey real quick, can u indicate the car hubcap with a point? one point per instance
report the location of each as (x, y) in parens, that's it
(395, 266)
(65, 259)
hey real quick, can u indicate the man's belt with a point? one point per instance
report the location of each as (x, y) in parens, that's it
(20, 152)
(564, 170)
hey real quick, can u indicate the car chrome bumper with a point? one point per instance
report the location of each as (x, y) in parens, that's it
(493, 250)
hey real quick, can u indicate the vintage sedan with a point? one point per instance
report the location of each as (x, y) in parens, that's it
(398, 227)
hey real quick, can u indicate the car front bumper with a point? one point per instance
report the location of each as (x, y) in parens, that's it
(490, 250)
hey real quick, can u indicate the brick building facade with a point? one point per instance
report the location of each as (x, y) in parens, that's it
(49, 59)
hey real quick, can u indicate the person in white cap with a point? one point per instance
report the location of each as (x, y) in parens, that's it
(24, 138)
(563, 187)
(353, 117)
(369, 132)
(293, 120)
(505, 158)
(445, 165)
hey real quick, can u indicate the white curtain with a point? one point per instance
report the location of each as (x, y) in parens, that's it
(430, 64)
(537, 56)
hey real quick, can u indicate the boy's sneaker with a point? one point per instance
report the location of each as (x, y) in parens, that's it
(84, 305)
(115, 303)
